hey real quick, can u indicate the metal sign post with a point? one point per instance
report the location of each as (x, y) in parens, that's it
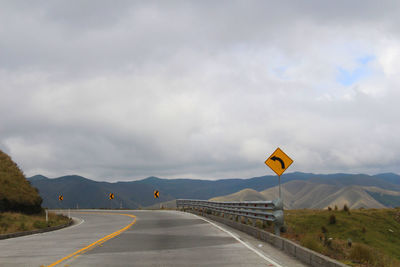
(280, 195)
(279, 162)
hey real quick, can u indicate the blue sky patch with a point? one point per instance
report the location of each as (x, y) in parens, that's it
(348, 77)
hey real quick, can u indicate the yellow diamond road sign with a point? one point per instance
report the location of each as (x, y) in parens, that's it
(279, 161)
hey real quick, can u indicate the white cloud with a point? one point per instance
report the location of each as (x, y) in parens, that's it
(197, 90)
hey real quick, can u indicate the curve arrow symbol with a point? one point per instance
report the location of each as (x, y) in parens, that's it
(274, 158)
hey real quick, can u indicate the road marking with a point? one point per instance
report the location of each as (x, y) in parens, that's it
(72, 226)
(98, 242)
(245, 244)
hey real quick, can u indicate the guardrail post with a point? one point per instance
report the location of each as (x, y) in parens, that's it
(278, 222)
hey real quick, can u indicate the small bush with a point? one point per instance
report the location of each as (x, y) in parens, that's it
(363, 254)
(345, 208)
(332, 219)
(329, 208)
(328, 242)
(367, 255)
(336, 208)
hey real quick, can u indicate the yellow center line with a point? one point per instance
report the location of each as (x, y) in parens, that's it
(98, 242)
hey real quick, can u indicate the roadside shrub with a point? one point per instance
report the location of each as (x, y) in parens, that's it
(345, 208)
(329, 208)
(328, 242)
(366, 255)
(332, 219)
(325, 234)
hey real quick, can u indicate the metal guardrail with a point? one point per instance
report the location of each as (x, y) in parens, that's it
(257, 210)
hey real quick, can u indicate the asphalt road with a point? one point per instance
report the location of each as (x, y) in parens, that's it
(141, 238)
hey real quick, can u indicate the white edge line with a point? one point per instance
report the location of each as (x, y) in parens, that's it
(68, 227)
(246, 245)
(75, 218)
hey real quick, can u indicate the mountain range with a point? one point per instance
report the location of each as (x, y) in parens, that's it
(85, 193)
(305, 194)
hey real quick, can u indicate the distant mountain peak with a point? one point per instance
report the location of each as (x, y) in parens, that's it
(152, 178)
(37, 178)
(75, 178)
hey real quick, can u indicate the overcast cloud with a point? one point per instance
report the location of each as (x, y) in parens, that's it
(122, 90)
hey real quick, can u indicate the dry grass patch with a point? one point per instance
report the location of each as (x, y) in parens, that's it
(11, 222)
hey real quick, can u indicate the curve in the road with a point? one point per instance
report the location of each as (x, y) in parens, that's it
(100, 241)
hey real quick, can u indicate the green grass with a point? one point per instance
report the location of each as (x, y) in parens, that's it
(11, 222)
(375, 234)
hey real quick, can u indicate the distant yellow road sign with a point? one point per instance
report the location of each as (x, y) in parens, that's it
(156, 194)
(111, 196)
(279, 161)
(60, 197)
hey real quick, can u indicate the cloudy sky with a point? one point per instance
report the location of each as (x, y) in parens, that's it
(122, 90)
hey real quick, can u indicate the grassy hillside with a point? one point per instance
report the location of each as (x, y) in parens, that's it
(375, 234)
(16, 193)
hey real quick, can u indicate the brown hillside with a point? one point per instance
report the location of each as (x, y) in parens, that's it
(243, 195)
(304, 194)
(354, 196)
(16, 193)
